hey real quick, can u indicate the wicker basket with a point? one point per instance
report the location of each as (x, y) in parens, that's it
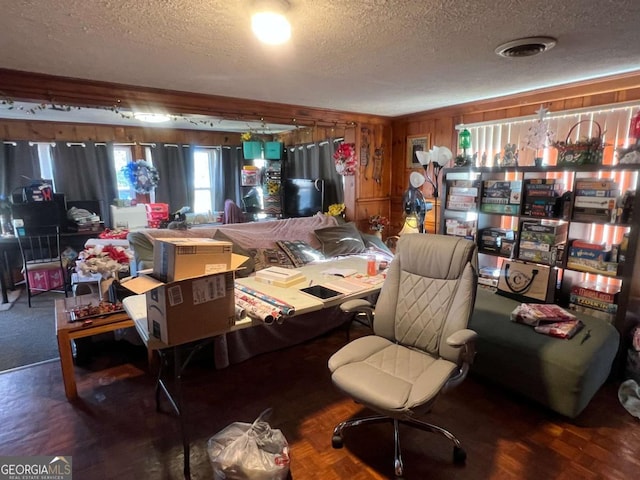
(586, 151)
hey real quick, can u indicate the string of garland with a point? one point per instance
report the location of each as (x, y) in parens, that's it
(141, 175)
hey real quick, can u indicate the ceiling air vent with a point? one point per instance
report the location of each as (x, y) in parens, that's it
(525, 47)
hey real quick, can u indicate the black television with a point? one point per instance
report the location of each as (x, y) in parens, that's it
(302, 197)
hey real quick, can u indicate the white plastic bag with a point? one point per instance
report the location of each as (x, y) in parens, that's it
(249, 451)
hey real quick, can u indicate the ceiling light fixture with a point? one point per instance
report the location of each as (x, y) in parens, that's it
(269, 23)
(525, 47)
(151, 117)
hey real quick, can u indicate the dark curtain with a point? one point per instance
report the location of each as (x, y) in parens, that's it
(227, 169)
(175, 168)
(86, 171)
(315, 160)
(18, 164)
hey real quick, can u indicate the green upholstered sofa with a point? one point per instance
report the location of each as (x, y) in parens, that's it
(562, 374)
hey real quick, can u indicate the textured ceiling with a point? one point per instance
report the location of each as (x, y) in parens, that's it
(379, 57)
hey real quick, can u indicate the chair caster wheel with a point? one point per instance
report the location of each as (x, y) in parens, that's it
(336, 441)
(459, 455)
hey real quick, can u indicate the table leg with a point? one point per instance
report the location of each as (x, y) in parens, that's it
(4, 276)
(3, 287)
(177, 372)
(66, 362)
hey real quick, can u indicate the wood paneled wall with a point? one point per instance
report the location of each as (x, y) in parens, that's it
(363, 195)
(440, 124)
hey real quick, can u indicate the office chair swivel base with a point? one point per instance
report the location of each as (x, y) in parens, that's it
(459, 454)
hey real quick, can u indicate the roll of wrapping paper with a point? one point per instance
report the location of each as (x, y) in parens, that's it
(240, 312)
(255, 311)
(264, 311)
(285, 308)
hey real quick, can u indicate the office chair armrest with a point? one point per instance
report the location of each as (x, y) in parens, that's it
(357, 306)
(461, 338)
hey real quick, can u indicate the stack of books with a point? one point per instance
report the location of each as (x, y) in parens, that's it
(488, 278)
(497, 240)
(462, 195)
(542, 198)
(280, 277)
(501, 197)
(542, 241)
(596, 300)
(595, 200)
(591, 257)
(549, 319)
(461, 228)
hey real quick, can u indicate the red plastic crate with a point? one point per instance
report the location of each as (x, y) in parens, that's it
(157, 211)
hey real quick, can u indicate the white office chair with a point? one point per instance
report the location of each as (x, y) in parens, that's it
(421, 346)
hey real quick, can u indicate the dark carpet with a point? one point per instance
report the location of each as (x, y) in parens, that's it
(28, 335)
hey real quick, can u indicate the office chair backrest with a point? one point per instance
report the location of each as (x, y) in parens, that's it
(426, 294)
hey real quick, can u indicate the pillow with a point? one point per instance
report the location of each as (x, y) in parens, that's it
(299, 252)
(371, 240)
(378, 246)
(270, 257)
(340, 240)
(249, 265)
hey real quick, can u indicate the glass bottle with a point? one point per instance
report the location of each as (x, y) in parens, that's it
(371, 263)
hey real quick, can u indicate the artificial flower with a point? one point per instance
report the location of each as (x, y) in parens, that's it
(336, 209)
(247, 137)
(378, 223)
(104, 259)
(345, 159)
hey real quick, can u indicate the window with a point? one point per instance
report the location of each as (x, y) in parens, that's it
(203, 174)
(46, 162)
(122, 156)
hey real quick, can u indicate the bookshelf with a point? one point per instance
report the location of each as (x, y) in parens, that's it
(578, 221)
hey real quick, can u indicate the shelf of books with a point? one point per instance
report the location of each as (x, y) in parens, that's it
(576, 221)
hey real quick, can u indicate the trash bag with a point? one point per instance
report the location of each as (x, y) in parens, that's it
(249, 451)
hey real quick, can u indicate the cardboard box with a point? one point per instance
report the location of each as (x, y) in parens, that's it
(46, 278)
(189, 309)
(179, 258)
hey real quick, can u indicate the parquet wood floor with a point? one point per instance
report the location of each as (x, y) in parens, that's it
(114, 432)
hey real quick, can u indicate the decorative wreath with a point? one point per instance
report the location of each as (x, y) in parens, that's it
(345, 159)
(141, 175)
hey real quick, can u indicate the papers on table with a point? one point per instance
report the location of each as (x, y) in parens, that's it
(355, 283)
(340, 272)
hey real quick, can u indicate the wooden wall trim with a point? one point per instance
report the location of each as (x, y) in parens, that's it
(44, 131)
(27, 86)
(613, 89)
